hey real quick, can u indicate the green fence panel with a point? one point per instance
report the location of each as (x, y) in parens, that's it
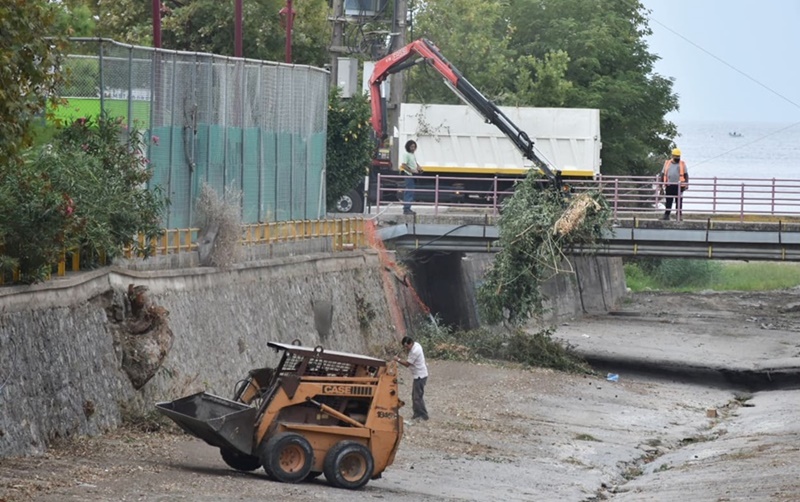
(251, 192)
(233, 159)
(284, 178)
(316, 164)
(269, 175)
(299, 178)
(216, 158)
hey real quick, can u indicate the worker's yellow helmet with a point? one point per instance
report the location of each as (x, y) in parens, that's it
(676, 152)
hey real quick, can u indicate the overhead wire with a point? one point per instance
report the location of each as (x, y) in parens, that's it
(742, 73)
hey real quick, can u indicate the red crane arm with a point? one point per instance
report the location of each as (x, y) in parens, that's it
(397, 61)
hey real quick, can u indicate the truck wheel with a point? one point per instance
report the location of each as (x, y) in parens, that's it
(239, 461)
(348, 465)
(287, 457)
(351, 202)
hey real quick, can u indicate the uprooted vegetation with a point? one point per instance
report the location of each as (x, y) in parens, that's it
(536, 227)
(486, 344)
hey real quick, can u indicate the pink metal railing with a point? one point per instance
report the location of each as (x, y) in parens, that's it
(641, 195)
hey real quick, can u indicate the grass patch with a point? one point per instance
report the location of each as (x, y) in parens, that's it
(76, 108)
(761, 276)
(516, 346)
(681, 275)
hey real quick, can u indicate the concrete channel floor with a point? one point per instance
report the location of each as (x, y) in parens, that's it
(747, 343)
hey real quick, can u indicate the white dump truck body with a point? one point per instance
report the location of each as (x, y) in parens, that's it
(455, 139)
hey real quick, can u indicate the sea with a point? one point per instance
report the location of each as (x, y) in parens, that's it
(758, 149)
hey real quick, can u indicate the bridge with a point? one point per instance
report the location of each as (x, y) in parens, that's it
(737, 219)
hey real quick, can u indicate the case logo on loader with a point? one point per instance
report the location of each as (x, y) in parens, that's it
(337, 389)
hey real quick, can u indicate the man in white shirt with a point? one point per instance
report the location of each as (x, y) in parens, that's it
(415, 361)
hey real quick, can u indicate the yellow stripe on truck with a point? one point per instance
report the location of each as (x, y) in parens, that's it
(507, 171)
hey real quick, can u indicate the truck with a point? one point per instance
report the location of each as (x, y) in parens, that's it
(478, 143)
(315, 412)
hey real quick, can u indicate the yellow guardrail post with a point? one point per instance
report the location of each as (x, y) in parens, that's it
(62, 264)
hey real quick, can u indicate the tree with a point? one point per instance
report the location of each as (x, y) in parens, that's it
(609, 68)
(562, 53)
(475, 41)
(349, 144)
(208, 26)
(74, 19)
(86, 190)
(29, 73)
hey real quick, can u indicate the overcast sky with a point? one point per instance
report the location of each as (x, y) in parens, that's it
(760, 38)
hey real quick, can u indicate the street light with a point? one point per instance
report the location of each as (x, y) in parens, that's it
(287, 21)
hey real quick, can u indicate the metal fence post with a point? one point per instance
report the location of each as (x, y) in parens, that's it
(378, 195)
(772, 202)
(714, 197)
(102, 80)
(741, 204)
(436, 196)
(130, 90)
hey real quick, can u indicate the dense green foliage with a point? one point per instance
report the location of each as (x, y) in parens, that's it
(536, 225)
(349, 144)
(84, 191)
(570, 53)
(26, 77)
(692, 275)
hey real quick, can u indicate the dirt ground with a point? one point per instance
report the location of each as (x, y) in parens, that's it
(505, 433)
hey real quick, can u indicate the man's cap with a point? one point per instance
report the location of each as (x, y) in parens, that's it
(676, 152)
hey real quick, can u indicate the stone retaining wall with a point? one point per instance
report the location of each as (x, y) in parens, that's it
(60, 361)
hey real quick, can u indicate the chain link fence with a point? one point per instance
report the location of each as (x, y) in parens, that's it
(258, 127)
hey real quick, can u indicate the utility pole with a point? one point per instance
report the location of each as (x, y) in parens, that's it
(397, 80)
(337, 42)
(157, 24)
(237, 28)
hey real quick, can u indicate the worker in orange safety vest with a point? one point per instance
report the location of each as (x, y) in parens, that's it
(675, 177)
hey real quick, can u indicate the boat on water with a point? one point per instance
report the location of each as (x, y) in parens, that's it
(735, 134)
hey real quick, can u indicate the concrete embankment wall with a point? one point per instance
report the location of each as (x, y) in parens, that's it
(60, 365)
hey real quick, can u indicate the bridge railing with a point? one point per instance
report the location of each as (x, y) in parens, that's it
(731, 198)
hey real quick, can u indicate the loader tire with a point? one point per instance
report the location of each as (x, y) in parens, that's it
(287, 457)
(348, 465)
(239, 461)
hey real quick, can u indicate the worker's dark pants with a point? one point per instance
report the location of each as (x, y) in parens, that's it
(417, 401)
(673, 192)
(408, 194)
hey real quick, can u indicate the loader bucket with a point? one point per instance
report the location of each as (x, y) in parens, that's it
(217, 421)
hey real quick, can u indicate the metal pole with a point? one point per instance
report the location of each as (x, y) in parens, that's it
(157, 24)
(102, 82)
(397, 80)
(289, 22)
(337, 42)
(237, 23)
(130, 90)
